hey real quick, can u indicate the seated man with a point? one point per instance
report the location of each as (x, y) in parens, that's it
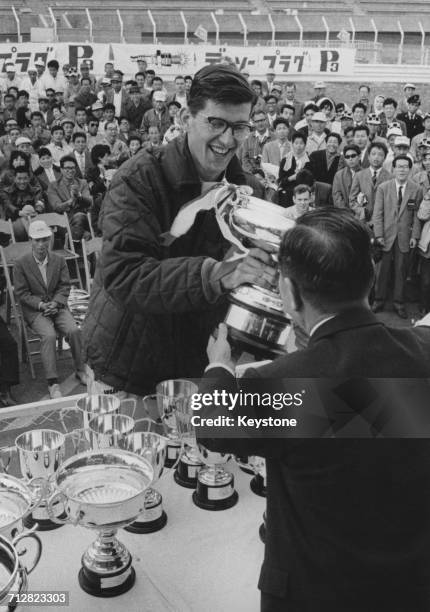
(70, 194)
(42, 286)
(20, 194)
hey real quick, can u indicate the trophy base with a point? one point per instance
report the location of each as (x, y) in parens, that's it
(257, 486)
(148, 526)
(107, 586)
(172, 455)
(43, 524)
(186, 473)
(215, 504)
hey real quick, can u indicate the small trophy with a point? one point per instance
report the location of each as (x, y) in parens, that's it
(103, 490)
(41, 452)
(174, 396)
(109, 430)
(215, 485)
(152, 447)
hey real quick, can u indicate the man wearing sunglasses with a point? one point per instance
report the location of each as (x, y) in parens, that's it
(343, 178)
(154, 302)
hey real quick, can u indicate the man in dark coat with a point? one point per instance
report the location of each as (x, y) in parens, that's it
(154, 302)
(411, 118)
(348, 527)
(324, 164)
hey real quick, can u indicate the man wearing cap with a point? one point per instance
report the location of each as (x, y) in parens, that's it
(317, 137)
(11, 79)
(267, 85)
(136, 107)
(117, 95)
(374, 123)
(412, 119)
(73, 85)
(23, 143)
(399, 145)
(416, 140)
(320, 91)
(409, 89)
(97, 110)
(397, 229)
(53, 79)
(42, 286)
(158, 115)
(40, 67)
(33, 86)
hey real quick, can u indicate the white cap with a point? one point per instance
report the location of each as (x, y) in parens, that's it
(32, 68)
(10, 67)
(320, 117)
(39, 62)
(410, 85)
(394, 131)
(159, 96)
(319, 85)
(22, 140)
(402, 140)
(39, 229)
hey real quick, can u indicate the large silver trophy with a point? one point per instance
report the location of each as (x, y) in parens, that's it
(255, 318)
(103, 490)
(13, 572)
(18, 500)
(41, 452)
(173, 395)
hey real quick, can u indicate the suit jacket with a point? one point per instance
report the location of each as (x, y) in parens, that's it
(88, 163)
(124, 101)
(42, 177)
(323, 195)
(59, 192)
(30, 288)
(135, 113)
(414, 125)
(334, 506)
(342, 183)
(389, 222)
(384, 125)
(363, 183)
(271, 152)
(319, 167)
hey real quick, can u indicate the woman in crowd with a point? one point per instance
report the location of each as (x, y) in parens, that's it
(293, 162)
(134, 144)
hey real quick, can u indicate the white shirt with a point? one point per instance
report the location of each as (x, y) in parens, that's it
(35, 90)
(398, 185)
(80, 158)
(117, 100)
(50, 174)
(49, 82)
(42, 265)
(318, 325)
(182, 100)
(58, 152)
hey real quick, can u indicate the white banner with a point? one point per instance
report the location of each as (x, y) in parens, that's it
(170, 60)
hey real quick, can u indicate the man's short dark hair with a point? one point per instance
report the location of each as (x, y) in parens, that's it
(390, 102)
(56, 128)
(9, 95)
(300, 135)
(359, 105)
(305, 177)
(44, 151)
(36, 114)
(298, 189)
(98, 152)
(366, 86)
(327, 257)
(335, 135)
(286, 105)
(351, 147)
(109, 106)
(280, 121)
(140, 74)
(79, 135)
(80, 108)
(68, 158)
(22, 169)
(157, 78)
(258, 111)
(378, 145)
(24, 93)
(220, 83)
(290, 84)
(256, 82)
(348, 129)
(402, 157)
(179, 76)
(53, 64)
(361, 128)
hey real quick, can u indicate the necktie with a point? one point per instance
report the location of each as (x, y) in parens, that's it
(374, 178)
(400, 198)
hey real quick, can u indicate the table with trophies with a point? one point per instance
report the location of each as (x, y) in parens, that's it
(116, 502)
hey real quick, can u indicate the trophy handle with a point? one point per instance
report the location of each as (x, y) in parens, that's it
(148, 421)
(56, 497)
(6, 453)
(128, 402)
(29, 534)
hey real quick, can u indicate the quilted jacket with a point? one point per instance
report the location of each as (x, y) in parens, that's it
(149, 319)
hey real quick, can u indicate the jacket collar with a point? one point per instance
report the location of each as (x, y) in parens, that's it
(351, 318)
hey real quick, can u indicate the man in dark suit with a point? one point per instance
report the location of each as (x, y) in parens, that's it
(343, 178)
(413, 121)
(324, 164)
(335, 505)
(290, 98)
(42, 286)
(81, 154)
(136, 107)
(361, 139)
(367, 181)
(397, 230)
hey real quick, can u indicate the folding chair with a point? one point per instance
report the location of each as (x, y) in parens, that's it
(68, 251)
(8, 256)
(90, 224)
(89, 248)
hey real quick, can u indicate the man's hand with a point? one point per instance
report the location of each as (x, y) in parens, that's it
(50, 309)
(412, 243)
(255, 268)
(380, 241)
(219, 350)
(39, 206)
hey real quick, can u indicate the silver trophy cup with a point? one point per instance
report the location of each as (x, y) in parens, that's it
(174, 395)
(152, 447)
(18, 500)
(91, 406)
(41, 452)
(13, 572)
(109, 430)
(103, 490)
(215, 485)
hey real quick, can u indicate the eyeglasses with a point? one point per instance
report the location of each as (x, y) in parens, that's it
(219, 126)
(352, 156)
(68, 167)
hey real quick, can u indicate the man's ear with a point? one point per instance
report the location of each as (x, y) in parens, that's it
(290, 294)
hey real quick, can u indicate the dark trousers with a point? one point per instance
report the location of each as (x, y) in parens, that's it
(9, 364)
(383, 275)
(425, 283)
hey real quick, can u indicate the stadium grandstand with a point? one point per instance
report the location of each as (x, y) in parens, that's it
(382, 31)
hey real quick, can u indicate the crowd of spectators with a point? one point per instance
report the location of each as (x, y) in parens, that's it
(64, 133)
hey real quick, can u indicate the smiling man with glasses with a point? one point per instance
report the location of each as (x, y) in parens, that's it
(154, 302)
